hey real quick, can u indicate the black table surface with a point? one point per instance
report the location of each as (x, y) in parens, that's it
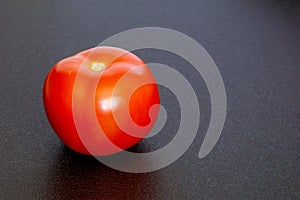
(255, 45)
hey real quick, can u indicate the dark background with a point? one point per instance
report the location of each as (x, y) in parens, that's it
(255, 44)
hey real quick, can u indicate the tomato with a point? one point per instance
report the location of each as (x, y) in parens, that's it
(90, 102)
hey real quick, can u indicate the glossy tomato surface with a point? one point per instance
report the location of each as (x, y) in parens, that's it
(99, 97)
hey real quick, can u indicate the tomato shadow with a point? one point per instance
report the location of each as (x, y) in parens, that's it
(77, 176)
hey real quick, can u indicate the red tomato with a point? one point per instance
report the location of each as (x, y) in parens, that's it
(89, 89)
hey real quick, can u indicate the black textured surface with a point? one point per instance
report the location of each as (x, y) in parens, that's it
(256, 47)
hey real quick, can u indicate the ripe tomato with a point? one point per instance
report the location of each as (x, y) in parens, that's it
(89, 89)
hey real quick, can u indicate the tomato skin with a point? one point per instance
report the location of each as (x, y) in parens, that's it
(60, 90)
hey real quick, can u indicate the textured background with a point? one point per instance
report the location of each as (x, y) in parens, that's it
(256, 47)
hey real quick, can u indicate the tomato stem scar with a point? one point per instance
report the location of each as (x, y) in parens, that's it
(97, 67)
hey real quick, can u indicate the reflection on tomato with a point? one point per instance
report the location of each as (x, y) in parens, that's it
(104, 66)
